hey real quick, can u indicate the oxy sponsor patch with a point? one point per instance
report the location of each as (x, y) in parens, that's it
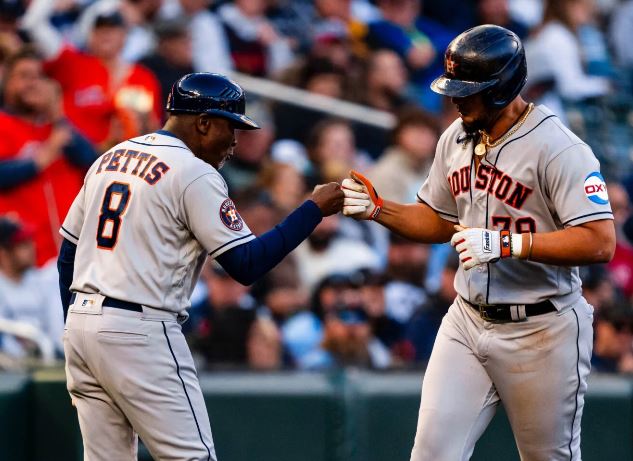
(596, 188)
(229, 215)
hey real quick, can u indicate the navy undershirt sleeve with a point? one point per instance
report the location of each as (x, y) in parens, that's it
(79, 151)
(65, 266)
(13, 173)
(16, 172)
(248, 262)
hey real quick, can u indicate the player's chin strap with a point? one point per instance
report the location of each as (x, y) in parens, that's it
(373, 195)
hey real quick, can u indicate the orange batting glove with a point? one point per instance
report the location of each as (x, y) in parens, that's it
(361, 199)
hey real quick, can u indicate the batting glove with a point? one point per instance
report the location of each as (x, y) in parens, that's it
(361, 199)
(480, 246)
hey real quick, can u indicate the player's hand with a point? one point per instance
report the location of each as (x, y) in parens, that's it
(476, 246)
(328, 197)
(361, 199)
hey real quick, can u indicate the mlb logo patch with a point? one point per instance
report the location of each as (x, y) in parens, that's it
(229, 215)
(87, 303)
(596, 188)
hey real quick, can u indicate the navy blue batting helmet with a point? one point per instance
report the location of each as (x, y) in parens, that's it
(213, 94)
(485, 59)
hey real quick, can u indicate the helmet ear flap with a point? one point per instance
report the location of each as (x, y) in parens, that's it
(512, 79)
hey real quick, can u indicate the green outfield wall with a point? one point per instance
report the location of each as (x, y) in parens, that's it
(342, 416)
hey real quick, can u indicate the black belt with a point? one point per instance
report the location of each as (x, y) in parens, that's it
(511, 312)
(117, 303)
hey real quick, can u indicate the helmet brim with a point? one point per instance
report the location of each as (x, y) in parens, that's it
(241, 122)
(459, 88)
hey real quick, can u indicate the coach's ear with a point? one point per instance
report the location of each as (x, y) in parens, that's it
(203, 124)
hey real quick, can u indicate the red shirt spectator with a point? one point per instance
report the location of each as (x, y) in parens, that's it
(93, 100)
(108, 99)
(44, 200)
(621, 268)
(41, 163)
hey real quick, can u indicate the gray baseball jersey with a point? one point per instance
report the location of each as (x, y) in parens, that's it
(146, 218)
(543, 179)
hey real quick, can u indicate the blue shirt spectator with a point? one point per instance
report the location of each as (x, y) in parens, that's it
(419, 41)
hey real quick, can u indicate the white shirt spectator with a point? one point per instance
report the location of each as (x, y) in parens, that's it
(554, 54)
(280, 54)
(529, 12)
(342, 256)
(34, 300)
(402, 300)
(209, 46)
(621, 34)
(140, 39)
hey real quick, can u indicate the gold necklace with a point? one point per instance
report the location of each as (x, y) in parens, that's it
(482, 147)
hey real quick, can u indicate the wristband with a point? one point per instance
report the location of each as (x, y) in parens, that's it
(377, 209)
(506, 243)
(371, 191)
(517, 245)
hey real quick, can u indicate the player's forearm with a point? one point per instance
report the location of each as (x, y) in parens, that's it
(65, 266)
(415, 221)
(590, 243)
(248, 262)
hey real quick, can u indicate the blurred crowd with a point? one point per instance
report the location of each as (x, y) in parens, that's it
(79, 76)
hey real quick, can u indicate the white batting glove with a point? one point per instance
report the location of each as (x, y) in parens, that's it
(480, 246)
(361, 199)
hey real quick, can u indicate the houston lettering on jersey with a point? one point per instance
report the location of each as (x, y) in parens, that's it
(134, 162)
(494, 181)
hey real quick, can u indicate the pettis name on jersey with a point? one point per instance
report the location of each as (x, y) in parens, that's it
(134, 162)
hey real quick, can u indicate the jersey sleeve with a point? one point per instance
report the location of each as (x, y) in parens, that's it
(71, 228)
(576, 188)
(211, 215)
(435, 191)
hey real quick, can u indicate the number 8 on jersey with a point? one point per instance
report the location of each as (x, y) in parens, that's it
(115, 201)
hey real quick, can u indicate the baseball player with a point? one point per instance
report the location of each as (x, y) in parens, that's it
(521, 199)
(150, 211)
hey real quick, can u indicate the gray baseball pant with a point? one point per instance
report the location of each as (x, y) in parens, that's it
(538, 369)
(132, 373)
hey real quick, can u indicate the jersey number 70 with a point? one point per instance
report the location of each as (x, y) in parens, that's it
(115, 201)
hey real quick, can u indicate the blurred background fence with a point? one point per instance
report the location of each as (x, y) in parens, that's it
(348, 415)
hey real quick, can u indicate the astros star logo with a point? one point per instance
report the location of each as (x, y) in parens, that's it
(232, 214)
(229, 215)
(450, 66)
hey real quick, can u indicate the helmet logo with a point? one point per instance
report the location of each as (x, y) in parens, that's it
(450, 66)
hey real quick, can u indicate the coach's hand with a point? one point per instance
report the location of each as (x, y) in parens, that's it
(361, 199)
(479, 246)
(328, 197)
